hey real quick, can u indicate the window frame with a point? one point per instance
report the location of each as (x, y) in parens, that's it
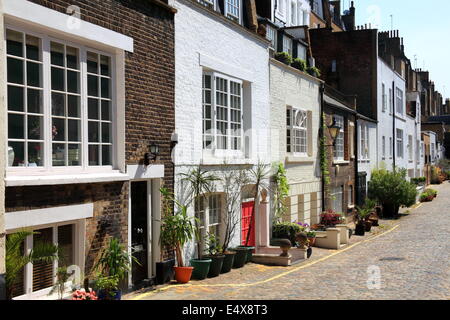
(205, 224)
(399, 143)
(383, 97)
(340, 136)
(291, 128)
(287, 44)
(399, 99)
(47, 36)
(230, 15)
(214, 132)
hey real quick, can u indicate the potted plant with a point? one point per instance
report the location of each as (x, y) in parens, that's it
(108, 287)
(314, 71)
(113, 265)
(176, 230)
(362, 213)
(311, 237)
(284, 57)
(330, 218)
(214, 253)
(299, 64)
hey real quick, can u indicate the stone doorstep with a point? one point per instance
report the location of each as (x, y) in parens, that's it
(271, 256)
(272, 259)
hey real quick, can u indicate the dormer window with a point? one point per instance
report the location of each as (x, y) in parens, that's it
(233, 10)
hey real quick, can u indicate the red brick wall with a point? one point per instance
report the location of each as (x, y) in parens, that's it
(149, 114)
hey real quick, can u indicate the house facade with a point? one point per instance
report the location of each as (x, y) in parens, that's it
(295, 122)
(222, 105)
(81, 117)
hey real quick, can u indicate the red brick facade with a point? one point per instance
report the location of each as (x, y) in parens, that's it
(149, 115)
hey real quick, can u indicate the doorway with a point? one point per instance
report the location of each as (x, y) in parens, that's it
(139, 231)
(247, 220)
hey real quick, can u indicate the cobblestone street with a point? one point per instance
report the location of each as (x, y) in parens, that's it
(412, 255)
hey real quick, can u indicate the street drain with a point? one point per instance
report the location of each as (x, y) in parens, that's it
(392, 259)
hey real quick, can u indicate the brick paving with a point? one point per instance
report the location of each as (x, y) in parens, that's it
(413, 261)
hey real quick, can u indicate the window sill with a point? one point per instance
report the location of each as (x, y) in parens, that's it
(296, 159)
(341, 162)
(29, 180)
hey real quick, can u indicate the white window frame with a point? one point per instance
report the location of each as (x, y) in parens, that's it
(399, 101)
(336, 193)
(281, 9)
(271, 35)
(383, 97)
(400, 144)
(78, 247)
(390, 101)
(410, 148)
(391, 147)
(383, 140)
(237, 6)
(294, 129)
(339, 155)
(46, 36)
(204, 215)
(287, 44)
(364, 141)
(214, 132)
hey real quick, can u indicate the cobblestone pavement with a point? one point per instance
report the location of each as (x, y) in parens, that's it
(412, 255)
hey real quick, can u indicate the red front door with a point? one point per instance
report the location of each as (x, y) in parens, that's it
(247, 209)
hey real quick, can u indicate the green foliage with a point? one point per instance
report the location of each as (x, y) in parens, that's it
(419, 180)
(299, 64)
(176, 229)
(311, 234)
(362, 213)
(115, 260)
(281, 191)
(314, 71)
(436, 175)
(323, 157)
(286, 230)
(62, 277)
(284, 57)
(392, 190)
(428, 195)
(109, 285)
(16, 260)
(213, 244)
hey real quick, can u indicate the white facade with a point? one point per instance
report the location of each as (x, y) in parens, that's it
(294, 96)
(238, 60)
(367, 147)
(416, 162)
(291, 12)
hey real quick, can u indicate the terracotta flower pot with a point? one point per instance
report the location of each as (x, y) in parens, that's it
(183, 274)
(312, 241)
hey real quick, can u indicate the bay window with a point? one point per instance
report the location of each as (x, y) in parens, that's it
(297, 131)
(233, 9)
(339, 142)
(222, 112)
(59, 98)
(287, 44)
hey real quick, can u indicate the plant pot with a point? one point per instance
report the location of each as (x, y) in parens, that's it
(249, 252)
(164, 271)
(201, 268)
(216, 265)
(350, 233)
(368, 226)
(228, 261)
(183, 274)
(308, 253)
(240, 257)
(103, 295)
(360, 229)
(312, 241)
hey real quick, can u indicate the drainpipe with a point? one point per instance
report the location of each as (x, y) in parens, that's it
(322, 136)
(393, 123)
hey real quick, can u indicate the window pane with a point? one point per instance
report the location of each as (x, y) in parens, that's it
(94, 159)
(15, 71)
(92, 108)
(92, 86)
(106, 110)
(58, 129)
(35, 154)
(73, 82)
(72, 58)
(74, 154)
(57, 79)
(58, 154)
(106, 132)
(57, 54)
(15, 98)
(42, 272)
(104, 65)
(35, 128)
(92, 62)
(73, 106)
(15, 126)
(65, 244)
(74, 130)
(34, 74)
(19, 153)
(34, 101)
(58, 104)
(93, 128)
(105, 88)
(33, 48)
(106, 155)
(14, 41)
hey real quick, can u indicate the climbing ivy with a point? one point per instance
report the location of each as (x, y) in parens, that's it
(281, 191)
(323, 156)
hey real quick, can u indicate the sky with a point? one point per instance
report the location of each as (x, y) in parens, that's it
(424, 26)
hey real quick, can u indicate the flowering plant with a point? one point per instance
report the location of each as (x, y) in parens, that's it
(331, 218)
(303, 226)
(83, 295)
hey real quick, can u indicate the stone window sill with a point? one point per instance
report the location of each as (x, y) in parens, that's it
(341, 162)
(294, 159)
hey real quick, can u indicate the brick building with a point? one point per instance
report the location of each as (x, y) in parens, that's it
(90, 92)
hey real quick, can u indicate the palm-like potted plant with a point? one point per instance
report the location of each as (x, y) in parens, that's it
(16, 260)
(114, 264)
(362, 213)
(214, 253)
(176, 230)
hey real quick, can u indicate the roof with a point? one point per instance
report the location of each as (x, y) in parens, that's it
(337, 104)
(439, 119)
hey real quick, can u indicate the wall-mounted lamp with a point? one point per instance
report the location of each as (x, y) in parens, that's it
(334, 131)
(152, 155)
